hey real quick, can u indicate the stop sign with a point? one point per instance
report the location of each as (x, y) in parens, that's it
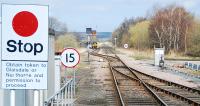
(24, 46)
(24, 32)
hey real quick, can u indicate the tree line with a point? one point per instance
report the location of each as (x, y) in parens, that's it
(172, 27)
(63, 38)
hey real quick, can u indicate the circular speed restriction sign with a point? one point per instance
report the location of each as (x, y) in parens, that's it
(70, 57)
(125, 46)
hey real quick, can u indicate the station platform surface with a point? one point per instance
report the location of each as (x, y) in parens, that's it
(156, 71)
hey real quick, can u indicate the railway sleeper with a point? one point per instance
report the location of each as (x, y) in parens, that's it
(178, 91)
(141, 101)
(119, 67)
(195, 103)
(181, 93)
(170, 83)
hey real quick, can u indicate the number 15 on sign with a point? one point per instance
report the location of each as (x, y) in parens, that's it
(70, 57)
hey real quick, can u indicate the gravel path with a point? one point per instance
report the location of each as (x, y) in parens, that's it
(90, 90)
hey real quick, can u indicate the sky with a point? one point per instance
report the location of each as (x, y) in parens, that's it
(104, 15)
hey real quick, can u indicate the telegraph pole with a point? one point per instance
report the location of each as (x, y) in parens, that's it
(88, 32)
(88, 47)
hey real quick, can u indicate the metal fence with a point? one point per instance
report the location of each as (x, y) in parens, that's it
(64, 97)
(192, 66)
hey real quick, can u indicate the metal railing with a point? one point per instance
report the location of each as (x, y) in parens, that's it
(64, 97)
(192, 66)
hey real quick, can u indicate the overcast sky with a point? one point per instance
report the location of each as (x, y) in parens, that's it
(103, 15)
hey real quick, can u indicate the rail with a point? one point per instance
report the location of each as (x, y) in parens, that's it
(158, 99)
(64, 96)
(117, 88)
(162, 103)
(162, 80)
(150, 87)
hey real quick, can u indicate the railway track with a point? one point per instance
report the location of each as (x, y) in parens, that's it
(183, 93)
(130, 92)
(136, 88)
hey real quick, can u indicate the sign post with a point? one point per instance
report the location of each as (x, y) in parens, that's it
(70, 57)
(12, 97)
(24, 47)
(36, 98)
(88, 32)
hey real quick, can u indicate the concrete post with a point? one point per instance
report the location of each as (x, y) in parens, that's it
(12, 97)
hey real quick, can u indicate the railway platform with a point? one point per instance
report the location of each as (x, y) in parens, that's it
(157, 72)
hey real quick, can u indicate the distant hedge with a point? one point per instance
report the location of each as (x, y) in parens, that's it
(67, 40)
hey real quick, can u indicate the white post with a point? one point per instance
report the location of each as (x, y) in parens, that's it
(57, 99)
(36, 98)
(62, 97)
(71, 93)
(65, 97)
(68, 92)
(65, 77)
(65, 93)
(74, 82)
(57, 73)
(115, 42)
(41, 97)
(12, 98)
(88, 48)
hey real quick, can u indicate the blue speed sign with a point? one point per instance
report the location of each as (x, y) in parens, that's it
(70, 57)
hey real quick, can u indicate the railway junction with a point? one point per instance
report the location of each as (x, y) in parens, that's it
(118, 80)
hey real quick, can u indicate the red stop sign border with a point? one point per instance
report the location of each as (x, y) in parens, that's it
(78, 58)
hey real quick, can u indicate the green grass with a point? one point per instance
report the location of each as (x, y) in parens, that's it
(195, 72)
(180, 56)
(140, 55)
(149, 54)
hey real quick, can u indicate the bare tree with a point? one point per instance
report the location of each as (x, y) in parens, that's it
(169, 28)
(58, 26)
